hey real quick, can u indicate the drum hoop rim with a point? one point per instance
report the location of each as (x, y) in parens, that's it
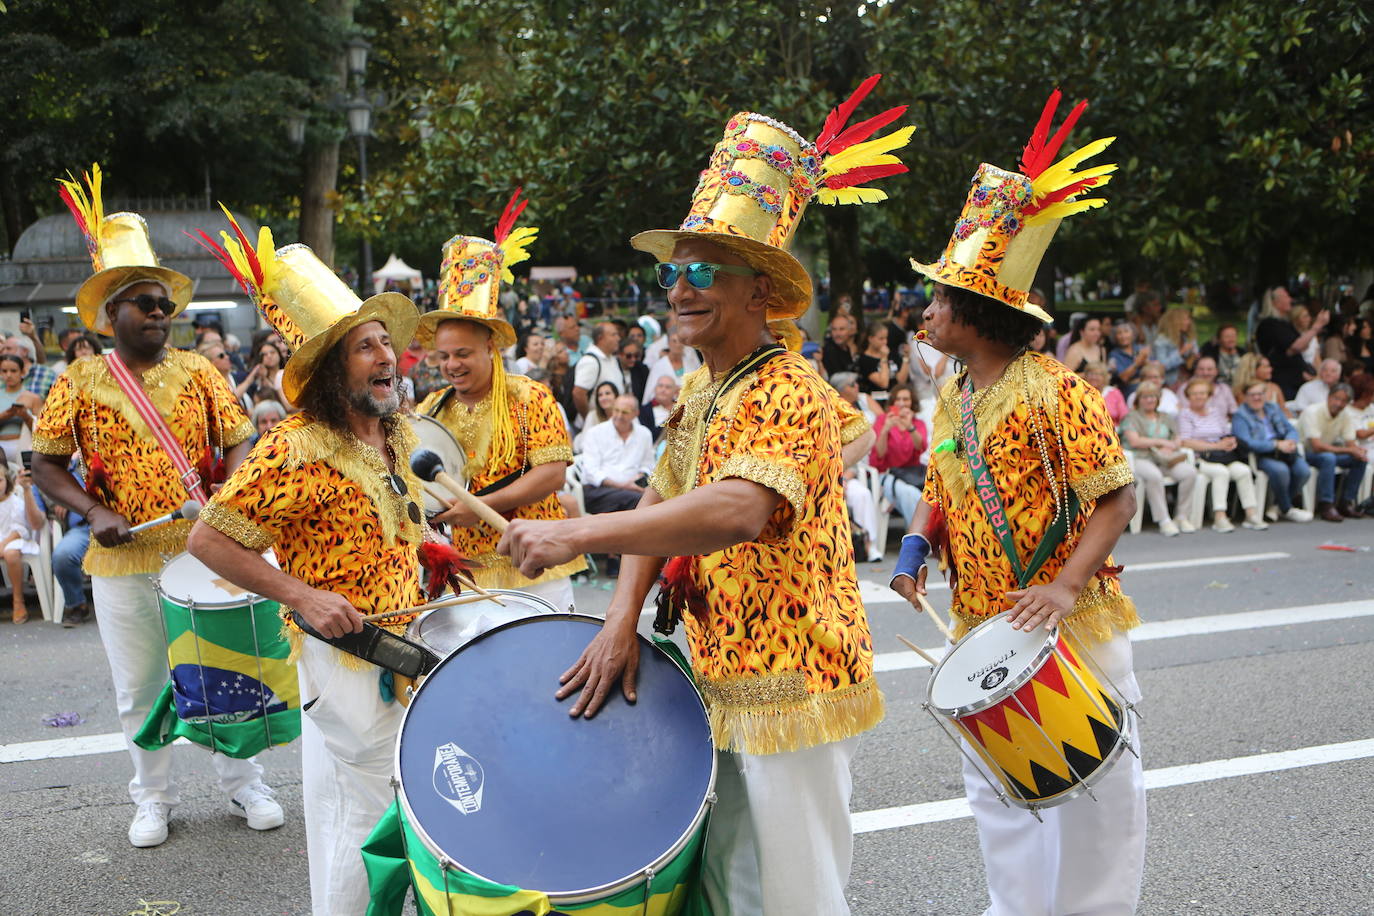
(584, 894)
(1124, 736)
(1003, 690)
(250, 603)
(553, 609)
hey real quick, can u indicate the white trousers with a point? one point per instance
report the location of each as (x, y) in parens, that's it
(780, 841)
(558, 592)
(1220, 476)
(130, 622)
(1086, 859)
(348, 738)
(859, 498)
(1152, 478)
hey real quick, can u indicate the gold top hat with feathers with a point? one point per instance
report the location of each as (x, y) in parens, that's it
(121, 253)
(1010, 217)
(471, 274)
(762, 174)
(305, 301)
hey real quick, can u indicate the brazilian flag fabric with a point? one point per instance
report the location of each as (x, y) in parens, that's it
(391, 874)
(232, 689)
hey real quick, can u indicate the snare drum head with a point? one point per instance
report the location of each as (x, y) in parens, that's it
(435, 436)
(985, 663)
(444, 629)
(497, 777)
(185, 579)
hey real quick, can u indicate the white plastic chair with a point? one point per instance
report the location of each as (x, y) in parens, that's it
(572, 484)
(39, 567)
(1194, 511)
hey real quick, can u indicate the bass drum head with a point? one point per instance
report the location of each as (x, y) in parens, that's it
(499, 779)
(435, 436)
(987, 665)
(185, 579)
(444, 629)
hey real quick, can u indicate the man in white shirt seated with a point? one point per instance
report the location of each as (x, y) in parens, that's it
(1329, 434)
(655, 413)
(1315, 391)
(617, 458)
(598, 364)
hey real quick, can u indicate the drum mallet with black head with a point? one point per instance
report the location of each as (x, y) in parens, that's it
(189, 511)
(428, 466)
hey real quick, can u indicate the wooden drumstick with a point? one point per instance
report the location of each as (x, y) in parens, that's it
(418, 609)
(939, 622)
(470, 584)
(444, 499)
(934, 662)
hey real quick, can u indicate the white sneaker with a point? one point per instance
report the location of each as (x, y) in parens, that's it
(875, 558)
(255, 803)
(1168, 528)
(1271, 514)
(150, 825)
(1185, 526)
(1298, 515)
(1255, 524)
(1223, 525)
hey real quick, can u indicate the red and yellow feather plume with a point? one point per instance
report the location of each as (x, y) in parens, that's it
(87, 209)
(1054, 186)
(253, 268)
(513, 242)
(850, 158)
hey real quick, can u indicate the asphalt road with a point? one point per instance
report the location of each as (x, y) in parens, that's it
(1281, 698)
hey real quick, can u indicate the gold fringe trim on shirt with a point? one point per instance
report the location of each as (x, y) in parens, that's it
(786, 482)
(496, 571)
(146, 555)
(549, 454)
(365, 466)
(234, 524)
(852, 430)
(773, 714)
(241, 433)
(61, 447)
(1100, 483)
(1096, 615)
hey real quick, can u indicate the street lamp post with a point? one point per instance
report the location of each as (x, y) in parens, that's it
(360, 126)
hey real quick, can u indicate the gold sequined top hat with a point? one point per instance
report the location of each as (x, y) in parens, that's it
(471, 274)
(305, 301)
(121, 253)
(1009, 217)
(752, 194)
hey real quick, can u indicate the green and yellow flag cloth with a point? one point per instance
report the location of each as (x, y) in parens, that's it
(232, 689)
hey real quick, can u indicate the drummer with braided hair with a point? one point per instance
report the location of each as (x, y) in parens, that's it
(509, 427)
(1026, 466)
(131, 477)
(747, 501)
(330, 491)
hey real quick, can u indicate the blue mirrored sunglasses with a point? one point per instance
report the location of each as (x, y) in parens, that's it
(700, 274)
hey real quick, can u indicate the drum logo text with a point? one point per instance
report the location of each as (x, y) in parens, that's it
(988, 668)
(458, 778)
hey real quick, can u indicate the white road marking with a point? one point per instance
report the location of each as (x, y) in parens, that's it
(1187, 626)
(65, 747)
(878, 593)
(956, 808)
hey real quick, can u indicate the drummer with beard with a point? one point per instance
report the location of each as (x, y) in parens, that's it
(510, 429)
(130, 479)
(1027, 492)
(747, 502)
(330, 491)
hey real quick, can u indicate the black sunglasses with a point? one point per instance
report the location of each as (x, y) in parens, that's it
(147, 304)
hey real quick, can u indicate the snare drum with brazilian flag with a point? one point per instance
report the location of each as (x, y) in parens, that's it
(232, 688)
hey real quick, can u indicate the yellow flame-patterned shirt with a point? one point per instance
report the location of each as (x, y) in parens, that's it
(86, 410)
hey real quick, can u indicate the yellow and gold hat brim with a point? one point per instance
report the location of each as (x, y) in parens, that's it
(791, 282)
(502, 334)
(393, 310)
(96, 291)
(982, 284)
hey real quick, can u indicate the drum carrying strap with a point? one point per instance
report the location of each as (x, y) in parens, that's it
(130, 386)
(492, 487)
(986, 488)
(380, 647)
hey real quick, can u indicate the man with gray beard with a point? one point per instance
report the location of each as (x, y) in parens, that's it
(331, 492)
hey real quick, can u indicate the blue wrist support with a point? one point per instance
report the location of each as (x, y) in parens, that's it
(915, 549)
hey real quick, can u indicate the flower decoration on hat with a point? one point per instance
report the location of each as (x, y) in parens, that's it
(762, 174)
(120, 249)
(1009, 218)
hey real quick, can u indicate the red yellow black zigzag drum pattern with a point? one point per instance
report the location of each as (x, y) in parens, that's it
(1053, 733)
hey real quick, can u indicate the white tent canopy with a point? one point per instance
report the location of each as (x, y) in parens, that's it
(396, 271)
(552, 274)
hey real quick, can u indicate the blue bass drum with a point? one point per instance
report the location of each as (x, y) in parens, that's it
(500, 784)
